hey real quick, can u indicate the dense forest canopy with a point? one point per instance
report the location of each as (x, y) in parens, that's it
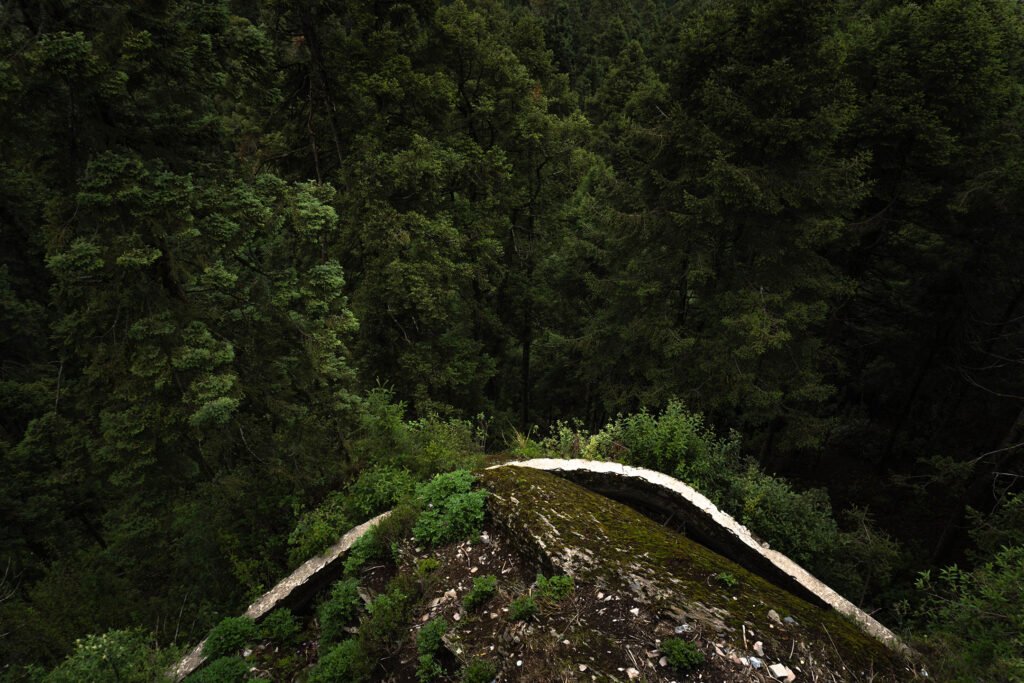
(251, 249)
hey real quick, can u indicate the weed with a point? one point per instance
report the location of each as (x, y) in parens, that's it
(484, 588)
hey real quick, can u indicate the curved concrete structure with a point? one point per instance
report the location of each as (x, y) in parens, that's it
(711, 527)
(301, 585)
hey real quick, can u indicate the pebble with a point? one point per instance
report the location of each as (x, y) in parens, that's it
(583, 667)
(756, 663)
(566, 642)
(759, 648)
(474, 570)
(494, 615)
(789, 620)
(519, 662)
(600, 596)
(635, 611)
(774, 616)
(782, 672)
(456, 616)
(632, 673)
(663, 661)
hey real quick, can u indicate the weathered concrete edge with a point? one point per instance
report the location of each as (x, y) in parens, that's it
(308, 571)
(699, 504)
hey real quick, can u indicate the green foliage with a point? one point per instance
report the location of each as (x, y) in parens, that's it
(388, 617)
(484, 588)
(429, 639)
(428, 644)
(378, 489)
(280, 626)
(682, 655)
(124, 656)
(343, 662)
(426, 566)
(727, 579)
(222, 670)
(479, 671)
(429, 669)
(451, 510)
(318, 529)
(230, 636)
(976, 619)
(522, 608)
(340, 610)
(556, 588)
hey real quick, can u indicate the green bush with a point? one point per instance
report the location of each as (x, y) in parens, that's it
(555, 589)
(378, 489)
(279, 626)
(386, 624)
(318, 529)
(479, 671)
(452, 511)
(976, 620)
(230, 636)
(341, 609)
(344, 662)
(522, 608)
(124, 656)
(223, 670)
(429, 669)
(379, 544)
(428, 565)
(682, 655)
(430, 638)
(484, 588)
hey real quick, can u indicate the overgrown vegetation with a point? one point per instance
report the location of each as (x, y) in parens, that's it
(265, 267)
(682, 655)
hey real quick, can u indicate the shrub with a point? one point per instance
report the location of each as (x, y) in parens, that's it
(682, 655)
(479, 671)
(451, 510)
(484, 588)
(428, 565)
(383, 630)
(378, 489)
(125, 656)
(429, 669)
(976, 620)
(341, 609)
(318, 529)
(344, 662)
(522, 608)
(279, 626)
(555, 589)
(430, 638)
(230, 636)
(223, 670)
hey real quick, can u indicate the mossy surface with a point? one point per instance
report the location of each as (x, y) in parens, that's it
(599, 540)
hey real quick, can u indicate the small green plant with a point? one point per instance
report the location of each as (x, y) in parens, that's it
(341, 609)
(383, 629)
(230, 636)
(223, 670)
(727, 579)
(451, 509)
(479, 671)
(556, 588)
(429, 669)
(344, 662)
(484, 588)
(522, 608)
(430, 638)
(682, 655)
(427, 565)
(279, 626)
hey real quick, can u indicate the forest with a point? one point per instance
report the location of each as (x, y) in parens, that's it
(265, 264)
